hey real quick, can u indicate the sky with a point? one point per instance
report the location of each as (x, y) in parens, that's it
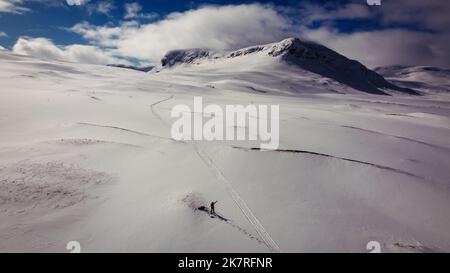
(397, 32)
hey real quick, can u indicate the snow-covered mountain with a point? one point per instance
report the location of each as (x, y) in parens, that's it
(187, 56)
(427, 79)
(86, 155)
(305, 56)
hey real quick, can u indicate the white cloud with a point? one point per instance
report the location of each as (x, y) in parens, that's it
(3, 34)
(12, 6)
(223, 27)
(46, 49)
(2, 48)
(104, 35)
(102, 7)
(133, 11)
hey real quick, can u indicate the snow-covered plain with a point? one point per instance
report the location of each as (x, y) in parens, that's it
(86, 155)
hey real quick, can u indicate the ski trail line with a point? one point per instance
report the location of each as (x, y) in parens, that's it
(236, 226)
(154, 111)
(263, 234)
(256, 224)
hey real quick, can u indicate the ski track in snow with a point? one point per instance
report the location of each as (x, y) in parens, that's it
(264, 235)
(231, 223)
(261, 231)
(88, 141)
(152, 106)
(124, 129)
(244, 231)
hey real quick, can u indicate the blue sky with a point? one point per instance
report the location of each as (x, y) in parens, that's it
(410, 32)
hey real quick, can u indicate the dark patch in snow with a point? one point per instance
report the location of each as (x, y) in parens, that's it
(141, 69)
(331, 156)
(186, 56)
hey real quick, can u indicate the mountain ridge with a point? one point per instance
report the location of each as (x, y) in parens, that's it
(308, 56)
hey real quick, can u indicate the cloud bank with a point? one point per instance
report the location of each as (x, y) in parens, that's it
(222, 27)
(46, 49)
(12, 6)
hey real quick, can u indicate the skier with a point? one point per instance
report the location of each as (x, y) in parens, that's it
(212, 207)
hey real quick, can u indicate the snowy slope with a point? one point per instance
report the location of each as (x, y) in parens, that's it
(86, 155)
(424, 78)
(314, 60)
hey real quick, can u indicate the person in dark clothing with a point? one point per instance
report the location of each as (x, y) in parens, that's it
(212, 207)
